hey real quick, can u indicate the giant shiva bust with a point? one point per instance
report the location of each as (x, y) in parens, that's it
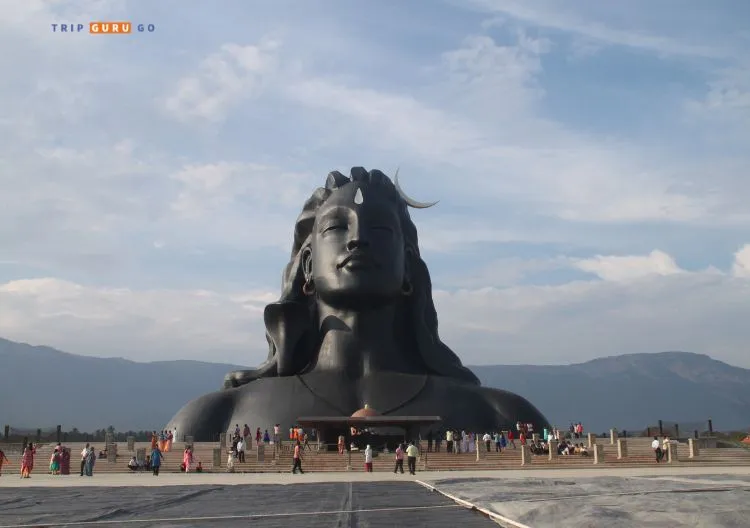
(355, 325)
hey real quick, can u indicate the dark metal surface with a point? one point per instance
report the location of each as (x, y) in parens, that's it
(319, 505)
(355, 325)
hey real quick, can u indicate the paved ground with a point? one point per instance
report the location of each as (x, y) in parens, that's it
(711, 501)
(616, 497)
(362, 504)
(180, 479)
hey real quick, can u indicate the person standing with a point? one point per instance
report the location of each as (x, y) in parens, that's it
(245, 433)
(54, 461)
(411, 457)
(156, 459)
(241, 451)
(3, 459)
(399, 459)
(88, 467)
(657, 449)
(449, 441)
(297, 458)
(84, 453)
(187, 459)
(27, 461)
(276, 437)
(368, 459)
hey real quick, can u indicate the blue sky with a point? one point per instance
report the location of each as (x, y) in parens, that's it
(591, 160)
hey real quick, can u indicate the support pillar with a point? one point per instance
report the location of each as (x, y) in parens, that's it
(622, 448)
(525, 455)
(552, 444)
(613, 436)
(693, 449)
(261, 453)
(598, 455)
(592, 440)
(672, 457)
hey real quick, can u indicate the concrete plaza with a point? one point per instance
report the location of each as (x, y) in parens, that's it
(526, 498)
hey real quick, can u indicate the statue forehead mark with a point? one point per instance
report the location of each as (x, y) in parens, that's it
(358, 197)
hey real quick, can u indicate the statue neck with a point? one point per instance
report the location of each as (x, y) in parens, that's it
(361, 342)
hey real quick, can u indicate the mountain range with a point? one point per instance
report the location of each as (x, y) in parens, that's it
(42, 387)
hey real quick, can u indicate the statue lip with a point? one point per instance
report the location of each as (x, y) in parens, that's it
(359, 260)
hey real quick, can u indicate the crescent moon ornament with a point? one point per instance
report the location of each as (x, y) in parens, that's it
(410, 201)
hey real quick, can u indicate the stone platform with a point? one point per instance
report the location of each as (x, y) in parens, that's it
(614, 497)
(674, 498)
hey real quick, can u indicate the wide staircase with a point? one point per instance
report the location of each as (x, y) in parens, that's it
(317, 459)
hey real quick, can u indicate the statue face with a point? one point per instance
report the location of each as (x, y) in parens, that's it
(357, 248)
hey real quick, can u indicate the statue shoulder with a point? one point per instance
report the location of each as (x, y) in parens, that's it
(513, 406)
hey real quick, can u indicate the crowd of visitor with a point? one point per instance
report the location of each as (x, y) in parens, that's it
(456, 442)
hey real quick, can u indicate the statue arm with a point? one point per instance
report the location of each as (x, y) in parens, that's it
(237, 378)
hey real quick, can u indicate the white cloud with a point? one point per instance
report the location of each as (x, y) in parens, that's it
(239, 205)
(616, 268)
(741, 265)
(725, 105)
(225, 78)
(500, 144)
(93, 178)
(141, 325)
(547, 14)
(645, 304)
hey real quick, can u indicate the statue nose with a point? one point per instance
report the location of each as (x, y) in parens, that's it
(356, 243)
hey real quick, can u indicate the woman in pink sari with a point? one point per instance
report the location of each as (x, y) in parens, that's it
(27, 461)
(170, 439)
(187, 459)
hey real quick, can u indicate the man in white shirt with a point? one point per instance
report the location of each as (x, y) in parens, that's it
(411, 458)
(276, 436)
(241, 451)
(368, 459)
(84, 454)
(449, 441)
(487, 441)
(657, 449)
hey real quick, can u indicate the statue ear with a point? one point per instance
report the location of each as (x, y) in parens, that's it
(408, 262)
(306, 257)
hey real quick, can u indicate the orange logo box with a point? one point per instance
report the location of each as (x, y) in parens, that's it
(110, 28)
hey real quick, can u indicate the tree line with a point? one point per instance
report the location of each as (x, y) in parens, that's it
(73, 435)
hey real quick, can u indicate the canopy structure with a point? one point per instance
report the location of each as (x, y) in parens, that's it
(366, 421)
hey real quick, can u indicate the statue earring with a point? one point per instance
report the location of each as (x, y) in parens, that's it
(407, 288)
(308, 288)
